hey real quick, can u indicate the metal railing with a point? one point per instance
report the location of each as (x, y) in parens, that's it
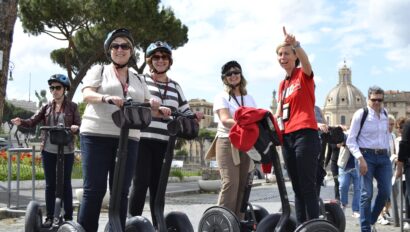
(10, 153)
(17, 153)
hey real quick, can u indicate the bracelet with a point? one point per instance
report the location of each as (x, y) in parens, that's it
(103, 99)
(297, 45)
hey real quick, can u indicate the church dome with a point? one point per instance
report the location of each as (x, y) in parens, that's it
(344, 95)
(343, 100)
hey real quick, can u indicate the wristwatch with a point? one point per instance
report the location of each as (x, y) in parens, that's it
(297, 45)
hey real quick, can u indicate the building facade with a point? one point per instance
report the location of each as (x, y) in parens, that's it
(397, 103)
(201, 105)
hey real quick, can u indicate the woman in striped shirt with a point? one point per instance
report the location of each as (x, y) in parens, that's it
(154, 139)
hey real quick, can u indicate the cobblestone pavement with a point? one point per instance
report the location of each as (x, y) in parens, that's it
(194, 204)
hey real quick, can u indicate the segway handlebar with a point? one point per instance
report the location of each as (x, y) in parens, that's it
(58, 127)
(129, 102)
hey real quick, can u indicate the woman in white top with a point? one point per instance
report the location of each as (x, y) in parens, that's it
(233, 166)
(110, 83)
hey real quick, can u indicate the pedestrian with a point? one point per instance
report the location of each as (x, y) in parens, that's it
(59, 111)
(296, 116)
(233, 165)
(368, 141)
(154, 139)
(403, 164)
(105, 87)
(347, 175)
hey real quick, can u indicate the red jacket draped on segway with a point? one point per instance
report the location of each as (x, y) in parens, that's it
(245, 131)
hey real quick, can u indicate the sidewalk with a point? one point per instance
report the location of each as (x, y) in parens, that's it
(185, 197)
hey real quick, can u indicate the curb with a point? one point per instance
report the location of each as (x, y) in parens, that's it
(11, 213)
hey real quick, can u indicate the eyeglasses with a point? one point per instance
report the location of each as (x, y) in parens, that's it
(228, 74)
(377, 100)
(57, 87)
(123, 46)
(157, 57)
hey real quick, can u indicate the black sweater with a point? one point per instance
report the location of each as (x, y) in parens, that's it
(404, 146)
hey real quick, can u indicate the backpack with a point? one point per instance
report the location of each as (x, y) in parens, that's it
(364, 116)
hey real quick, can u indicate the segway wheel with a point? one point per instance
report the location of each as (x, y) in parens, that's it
(259, 211)
(178, 222)
(335, 215)
(316, 225)
(71, 226)
(219, 219)
(138, 223)
(270, 222)
(33, 217)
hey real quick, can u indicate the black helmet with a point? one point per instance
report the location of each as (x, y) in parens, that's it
(60, 78)
(122, 32)
(230, 64)
(158, 46)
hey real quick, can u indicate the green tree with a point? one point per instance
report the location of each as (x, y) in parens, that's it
(8, 16)
(204, 134)
(10, 112)
(84, 25)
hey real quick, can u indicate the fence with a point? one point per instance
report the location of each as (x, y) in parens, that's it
(17, 155)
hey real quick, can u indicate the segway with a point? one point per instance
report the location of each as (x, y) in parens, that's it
(182, 126)
(220, 219)
(132, 115)
(60, 136)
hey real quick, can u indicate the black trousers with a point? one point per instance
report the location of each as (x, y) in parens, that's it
(300, 151)
(146, 176)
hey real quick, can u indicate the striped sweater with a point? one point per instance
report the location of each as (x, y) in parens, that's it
(170, 95)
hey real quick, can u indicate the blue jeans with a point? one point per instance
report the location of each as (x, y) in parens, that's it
(379, 167)
(300, 152)
(345, 178)
(50, 173)
(98, 161)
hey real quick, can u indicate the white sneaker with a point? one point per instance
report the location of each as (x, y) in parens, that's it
(406, 226)
(356, 214)
(384, 221)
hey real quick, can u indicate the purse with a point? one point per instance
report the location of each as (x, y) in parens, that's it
(344, 155)
(60, 136)
(183, 127)
(132, 117)
(334, 136)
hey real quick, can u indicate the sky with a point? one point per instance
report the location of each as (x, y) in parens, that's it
(371, 36)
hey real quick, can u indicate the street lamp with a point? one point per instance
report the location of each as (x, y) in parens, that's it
(11, 67)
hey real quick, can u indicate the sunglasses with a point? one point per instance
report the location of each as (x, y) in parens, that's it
(157, 57)
(58, 87)
(376, 100)
(123, 46)
(228, 74)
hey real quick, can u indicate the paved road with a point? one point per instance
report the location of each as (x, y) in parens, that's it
(194, 204)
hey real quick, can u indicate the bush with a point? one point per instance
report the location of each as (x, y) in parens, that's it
(26, 167)
(182, 152)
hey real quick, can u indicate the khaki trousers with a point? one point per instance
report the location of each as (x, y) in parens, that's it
(234, 178)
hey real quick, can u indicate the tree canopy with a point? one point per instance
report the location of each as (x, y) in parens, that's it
(84, 25)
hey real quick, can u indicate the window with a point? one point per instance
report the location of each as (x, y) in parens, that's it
(343, 120)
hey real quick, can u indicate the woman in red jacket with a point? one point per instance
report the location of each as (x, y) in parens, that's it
(299, 127)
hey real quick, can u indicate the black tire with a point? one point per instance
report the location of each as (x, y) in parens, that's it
(316, 225)
(138, 223)
(33, 217)
(71, 226)
(219, 219)
(259, 211)
(178, 222)
(335, 215)
(269, 223)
